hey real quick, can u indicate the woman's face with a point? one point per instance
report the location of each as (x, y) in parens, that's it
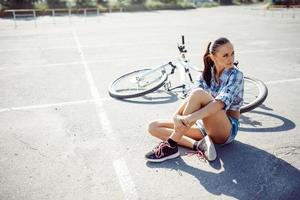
(224, 56)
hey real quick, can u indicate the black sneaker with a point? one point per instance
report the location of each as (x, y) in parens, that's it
(162, 152)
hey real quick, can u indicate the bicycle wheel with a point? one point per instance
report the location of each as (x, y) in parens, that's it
(255, 93)
(132, 85)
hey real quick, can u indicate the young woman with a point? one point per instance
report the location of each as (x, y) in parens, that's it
(211, 112)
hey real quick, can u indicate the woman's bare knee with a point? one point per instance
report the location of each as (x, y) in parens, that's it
(200, 93)
(197, 92)
(200, 96)
(153, 127)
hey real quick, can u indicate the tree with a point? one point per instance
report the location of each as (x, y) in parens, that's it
(225, 2)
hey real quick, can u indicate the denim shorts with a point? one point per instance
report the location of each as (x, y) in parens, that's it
(234, 129)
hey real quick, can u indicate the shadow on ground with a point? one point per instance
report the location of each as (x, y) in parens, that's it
(256, 126)
(249, 173)
(156, 97)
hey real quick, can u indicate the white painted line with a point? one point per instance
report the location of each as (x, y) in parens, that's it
(119, 44)
(53, 104)
(61, 64)
(282, 81)
(101, 100)
(141, 58)
(36, 49)
(267, 50)
(4, 110)
(124, 177)
(111, 59)
(125, 180)
(133, 44)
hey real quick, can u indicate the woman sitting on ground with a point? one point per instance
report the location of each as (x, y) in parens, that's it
(211, 112)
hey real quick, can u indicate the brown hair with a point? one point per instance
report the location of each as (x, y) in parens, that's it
(208, 62)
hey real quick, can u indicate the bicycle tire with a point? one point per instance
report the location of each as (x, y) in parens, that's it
(119, 91)
(259, 93)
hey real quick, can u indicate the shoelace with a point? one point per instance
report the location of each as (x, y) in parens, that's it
(198, 154)
(158, 151)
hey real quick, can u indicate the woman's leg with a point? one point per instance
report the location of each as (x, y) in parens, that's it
(163, 129)
(218, 125)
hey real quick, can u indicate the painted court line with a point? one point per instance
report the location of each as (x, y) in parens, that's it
(282, 81)
(119, 44)
(101, 100)
(268, 50)
(141, 58)
(30, 107)
(125, 179)
(125, 44)
(120, 166)
(46, 105)
(112, 59)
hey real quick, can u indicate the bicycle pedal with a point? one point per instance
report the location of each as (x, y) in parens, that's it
(167, 85)
(182, 95)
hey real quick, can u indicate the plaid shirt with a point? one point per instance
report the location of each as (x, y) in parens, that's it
(230, 90)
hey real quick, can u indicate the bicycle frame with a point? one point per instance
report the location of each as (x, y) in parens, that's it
(185, 77)
(184, 69)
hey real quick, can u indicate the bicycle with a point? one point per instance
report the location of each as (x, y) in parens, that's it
(144, 81)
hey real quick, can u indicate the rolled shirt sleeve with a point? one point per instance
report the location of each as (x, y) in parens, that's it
(230, 92)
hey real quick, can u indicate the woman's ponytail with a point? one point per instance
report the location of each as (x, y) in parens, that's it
(208, 64)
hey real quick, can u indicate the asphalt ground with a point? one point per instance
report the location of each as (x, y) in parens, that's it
(63, 137)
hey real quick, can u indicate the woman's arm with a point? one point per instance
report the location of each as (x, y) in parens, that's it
(206, 111)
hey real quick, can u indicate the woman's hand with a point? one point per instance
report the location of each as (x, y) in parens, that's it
(181, 123)
(187, 121)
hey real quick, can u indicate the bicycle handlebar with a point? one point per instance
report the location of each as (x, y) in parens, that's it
(181, 47)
